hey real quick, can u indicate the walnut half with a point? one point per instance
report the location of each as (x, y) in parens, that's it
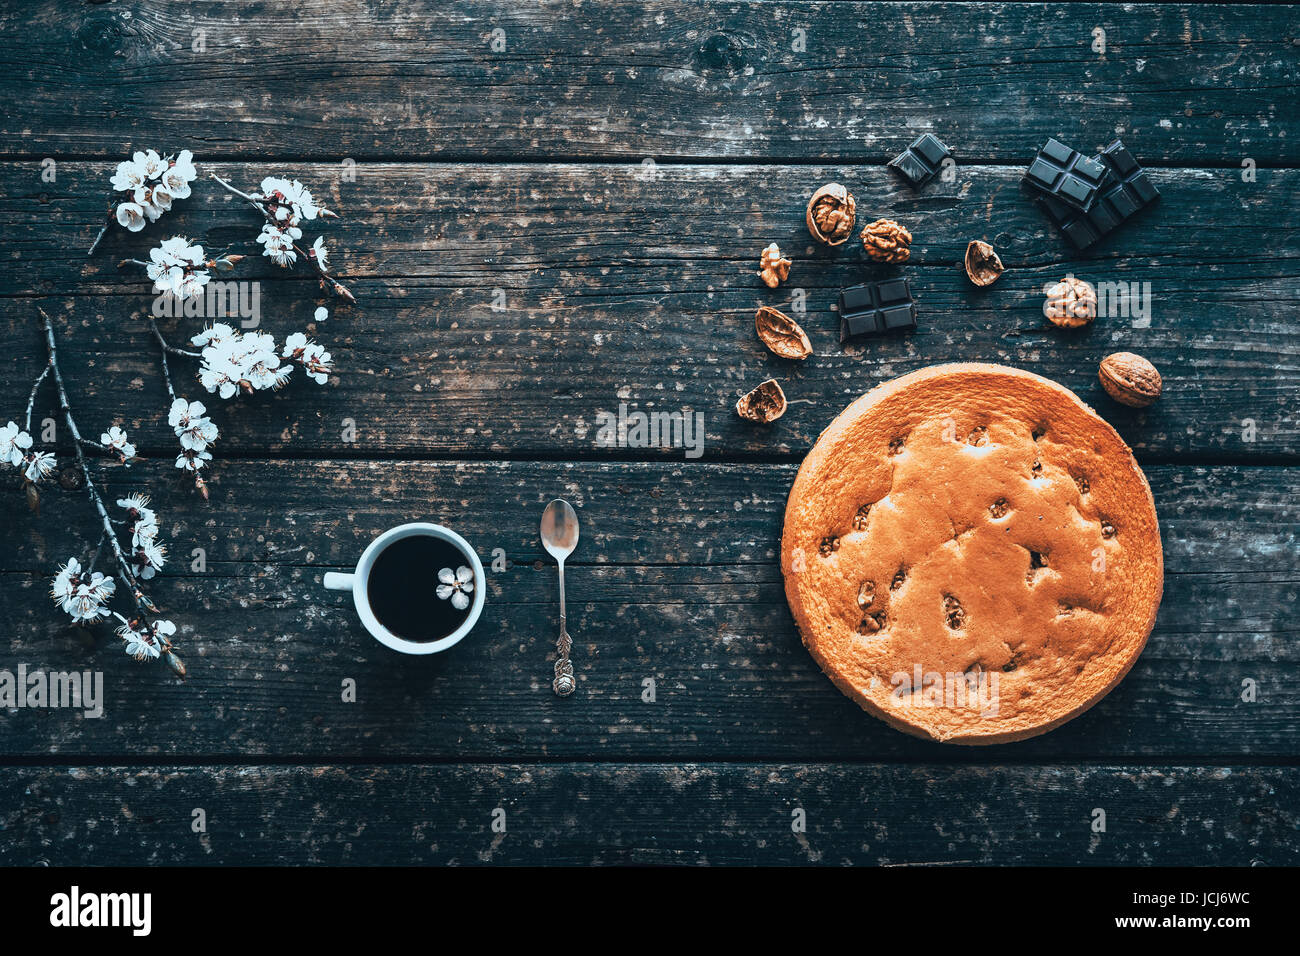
(830, 214)
(764, 404)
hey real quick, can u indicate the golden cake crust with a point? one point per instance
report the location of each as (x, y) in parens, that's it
(972, 554)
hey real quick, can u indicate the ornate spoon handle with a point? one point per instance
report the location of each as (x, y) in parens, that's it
(563, 684)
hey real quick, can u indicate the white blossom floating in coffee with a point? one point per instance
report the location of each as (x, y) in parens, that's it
(457, 585)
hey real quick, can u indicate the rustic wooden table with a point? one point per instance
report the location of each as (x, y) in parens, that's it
(550, 209)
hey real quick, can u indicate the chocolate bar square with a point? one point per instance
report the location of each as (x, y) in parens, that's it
(875, 308)
(921, 161)
(1066, 175)
(1126, 190)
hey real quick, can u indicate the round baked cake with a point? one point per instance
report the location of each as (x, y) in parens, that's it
(972, 554)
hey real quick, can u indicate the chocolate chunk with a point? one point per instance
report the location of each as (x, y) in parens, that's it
(1066, 175)
(921, 161)
(1126, 189)
(875, 308)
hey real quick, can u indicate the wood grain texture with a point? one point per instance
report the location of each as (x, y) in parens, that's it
(618, 290)
(1200, 83)
(650, 814)
(675, 581)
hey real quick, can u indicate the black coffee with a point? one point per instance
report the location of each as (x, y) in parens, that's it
(403, 588)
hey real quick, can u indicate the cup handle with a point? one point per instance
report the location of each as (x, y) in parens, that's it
(335, 581)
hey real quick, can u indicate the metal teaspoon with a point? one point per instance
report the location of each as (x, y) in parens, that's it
(560, 537)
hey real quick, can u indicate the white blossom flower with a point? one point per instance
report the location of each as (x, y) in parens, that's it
(150, 163)
(40, 464)
(148, 557)
(193, 460)
(178, 176)
(288, 201)
(131, 216)
(128, 177)
(137, 502)
(321, 254)
(192, 427)
(238, 360)
(154, 199)
(14, 443)
(81, 595)
(117, 440)
(315, 361)
(278, 244)
(322, 313)
(144, 530)
(174, 268)
(214, 334)
(457, 585)
(144, 640)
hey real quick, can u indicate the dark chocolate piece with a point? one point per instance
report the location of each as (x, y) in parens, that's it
(1066, 175)
(921, 161)
(1126, 189)
(875, 308)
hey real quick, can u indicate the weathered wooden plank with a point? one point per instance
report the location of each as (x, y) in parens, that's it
(618, 290)
(675, 581)
(650, 814)
(663, 78)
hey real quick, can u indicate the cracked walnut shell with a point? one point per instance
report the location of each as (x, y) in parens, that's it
(887, 241)
(773, 268)
(830, 214)
(764, 404)
(1071, 303)
(781, 334)
(982, 264)
(1130, 379)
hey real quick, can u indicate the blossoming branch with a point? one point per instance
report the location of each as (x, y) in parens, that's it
(287, 204)
(82, 592)
(154, 183)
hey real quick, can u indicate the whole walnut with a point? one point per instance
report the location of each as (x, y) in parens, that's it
(1071, 303)
(830, 214)
(773, 268)
(887, 241)
(1130, 379)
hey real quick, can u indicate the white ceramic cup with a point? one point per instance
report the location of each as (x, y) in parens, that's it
(358, 582)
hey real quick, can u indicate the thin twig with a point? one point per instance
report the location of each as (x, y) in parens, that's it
(98, 236)
(337, 287)
(138, 597)
(31, 399)
(91, 490)
(169, 349)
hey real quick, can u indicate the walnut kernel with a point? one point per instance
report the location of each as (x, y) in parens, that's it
(887, 241)
(1071, 303)
(773, 268)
